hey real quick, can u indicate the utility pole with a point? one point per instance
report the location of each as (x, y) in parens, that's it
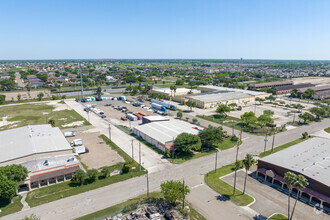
(173, 151)
(233, 127)
(294, 117)
(265, 142)
(183, 195)
(236, 168)
(110, 132)
(132, 152)
(216, 160)
(140, 154)
(88, 115)
(240, 136)
(147, 175)
(81, 83)
(273, 140)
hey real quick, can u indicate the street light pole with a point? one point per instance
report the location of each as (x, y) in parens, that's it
(110, 132)
(147, 175)
(140, 154)
(236, 168)
(233, 128)
(273, 140)
(216, 161)
(183, 195)
(132, 152)
(265, 142)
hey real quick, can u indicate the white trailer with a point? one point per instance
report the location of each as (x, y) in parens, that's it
(69, 134)
(76, 142)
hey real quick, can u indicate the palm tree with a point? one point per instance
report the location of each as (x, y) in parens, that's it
(171, 88)
(174, 90)
(290, 179)
(300, 184)
(248, 161)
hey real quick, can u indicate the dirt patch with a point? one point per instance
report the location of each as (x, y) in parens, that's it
(4, 122)
(76, 123)
(100, 154)
(25, 95)
(313, 80)
(59, 106)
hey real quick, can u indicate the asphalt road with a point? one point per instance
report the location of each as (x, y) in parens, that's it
(201, 197)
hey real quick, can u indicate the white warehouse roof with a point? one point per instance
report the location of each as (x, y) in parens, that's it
(24, 141)
(165, 131)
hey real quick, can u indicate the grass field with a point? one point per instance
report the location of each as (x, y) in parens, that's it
(282, 147)
(7, 208)
(113, 210)
(54, 192)
(278, 217)
(213, 180)
(327, 129)
(33, 114)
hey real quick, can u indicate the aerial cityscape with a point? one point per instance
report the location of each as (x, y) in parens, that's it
(165, 110)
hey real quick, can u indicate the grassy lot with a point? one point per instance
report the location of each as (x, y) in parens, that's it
(282, 147)
(8, 208)
(33, 114)
(54, 192)
(113, 210)
(229, 121)
(278, 217)
(225, 189)
(327, 129)
(226, 144)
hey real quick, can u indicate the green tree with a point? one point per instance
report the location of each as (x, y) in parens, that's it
(40, 95)
(271, 98)
(105, 172)
(268, 112)
(222, 109)
(173, 191)
(7, 85)
(99, 91)
(19, 96)
(248, 118)
(308, 93)
(191, 104)
(51, 122)
(264, 120)
(179, 115)
(179, 82)
(248, 161)
(185, 142)
(304, 135)
(126, 167)
(289, 179)
(294, 93)
(210, 136)
(92, 175)
(8, 188)
(260, 100)
(318, 112)
(232, 105)
(79, 177)
(2, 99)
(300, 184)
(306, 116)
(14, 172)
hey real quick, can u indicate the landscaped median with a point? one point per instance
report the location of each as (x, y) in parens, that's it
(327, 130)
(66, 189)
(213, 180)
(276, 149)
(278, 217)
(131, 205)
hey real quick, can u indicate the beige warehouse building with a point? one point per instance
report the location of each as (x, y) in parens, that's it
(177, 95)
(213, 96)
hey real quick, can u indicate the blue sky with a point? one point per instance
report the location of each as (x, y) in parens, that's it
(169, 29)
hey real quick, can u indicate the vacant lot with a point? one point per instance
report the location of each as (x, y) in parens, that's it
(33, 114)
(313, 80)
(25, 95)
(100, 154)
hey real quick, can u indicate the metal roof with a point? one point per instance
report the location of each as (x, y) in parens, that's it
(165, 131)
(218, 96)
(220, 88)
(310, 158)
(24, 141)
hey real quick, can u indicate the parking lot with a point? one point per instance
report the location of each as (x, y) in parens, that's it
(100, 154)
(269, 200)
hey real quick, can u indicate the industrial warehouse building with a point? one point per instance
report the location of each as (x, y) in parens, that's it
(174, 95)
(311, 159)
(213, 96)
(43, 150)
(161, 134)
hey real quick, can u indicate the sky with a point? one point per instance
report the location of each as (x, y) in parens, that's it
(165, 29)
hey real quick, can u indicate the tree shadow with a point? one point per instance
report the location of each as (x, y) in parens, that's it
(222, 198)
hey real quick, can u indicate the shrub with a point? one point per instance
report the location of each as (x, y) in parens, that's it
(126, 167)
(234, 138)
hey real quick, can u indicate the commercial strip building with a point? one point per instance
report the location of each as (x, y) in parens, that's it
(321, 92)
(43, 150)
(311, 159)
(277, 84)
(213, 96)
(161, 134)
